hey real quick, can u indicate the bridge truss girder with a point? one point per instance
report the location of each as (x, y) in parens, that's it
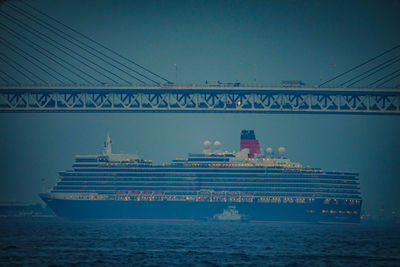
(234, 100)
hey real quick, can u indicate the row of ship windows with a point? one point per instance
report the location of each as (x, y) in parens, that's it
(195, 183)
(148, 168)
(208, 170)
(205, 170)
(270, 199)
(200, 192)
(339, 212)
(195, 198)
(278, 199)
(278, 194)
(204, 163)
(215, 199)
(86, 159)
(73, 175)
(201, 160)
(198, 187)
(202, 179)
(337, 201)
(205, 173)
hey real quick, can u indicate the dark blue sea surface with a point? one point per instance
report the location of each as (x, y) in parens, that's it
(57, 242)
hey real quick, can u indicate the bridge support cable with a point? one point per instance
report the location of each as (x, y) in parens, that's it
(77, 43)
(376, 71)
(9, 77)
(97, 43)
(40, 35)
(92, 62)
(386, 76)
(378, 68)
(388, 80)
(1, 78)
(26, 56)
(33, 44)
(59, 32)
(8, 61)
(35, 47)
(197, 99)
(360, 65)
(25, 69)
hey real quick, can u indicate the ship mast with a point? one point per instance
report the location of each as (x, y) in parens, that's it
(107, 145)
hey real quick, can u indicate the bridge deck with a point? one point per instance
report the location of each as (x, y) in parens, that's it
(254, 99)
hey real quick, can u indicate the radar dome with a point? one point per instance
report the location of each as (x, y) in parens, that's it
(281, 151)
(207, 144)
(217, 144)
(268, 150)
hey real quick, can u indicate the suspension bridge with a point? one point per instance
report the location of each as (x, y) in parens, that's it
(47, 66)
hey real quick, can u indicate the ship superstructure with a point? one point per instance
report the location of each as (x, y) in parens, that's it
(263, 186)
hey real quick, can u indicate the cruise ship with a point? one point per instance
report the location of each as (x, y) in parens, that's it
(260, 185)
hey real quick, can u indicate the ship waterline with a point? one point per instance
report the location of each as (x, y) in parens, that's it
(262, 187)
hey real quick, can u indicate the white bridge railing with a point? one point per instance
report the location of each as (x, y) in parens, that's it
(199, 99)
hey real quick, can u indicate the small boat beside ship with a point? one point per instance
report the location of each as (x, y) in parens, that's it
(229, 214)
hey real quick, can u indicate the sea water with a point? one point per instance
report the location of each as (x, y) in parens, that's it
(52, 242)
